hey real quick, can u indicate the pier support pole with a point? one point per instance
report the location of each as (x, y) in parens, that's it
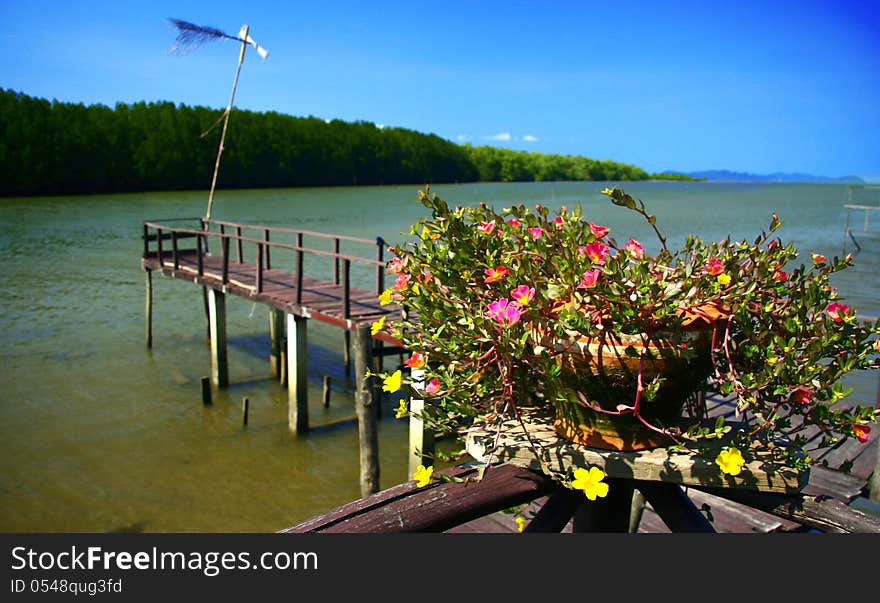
(217, 326)
(346, 353)
(367, 406)
(148, 327)
(297, 373)
(421, 441)
(276, 342)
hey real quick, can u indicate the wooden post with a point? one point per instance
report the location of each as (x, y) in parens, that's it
(297, 372)
(326, 393)
(346, 310)
(276, 341)
(421, 441)
(148, 326)
(217, 322)
(245, 404)
(608, 514)
(366, 406)
(206, 391)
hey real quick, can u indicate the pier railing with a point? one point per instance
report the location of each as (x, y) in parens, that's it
(258, 246)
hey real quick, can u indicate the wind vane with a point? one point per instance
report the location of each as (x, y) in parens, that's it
(190, 37)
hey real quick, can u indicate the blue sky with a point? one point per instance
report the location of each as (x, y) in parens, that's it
(747, 86)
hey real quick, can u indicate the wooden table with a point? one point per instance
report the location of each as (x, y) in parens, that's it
(513, 475)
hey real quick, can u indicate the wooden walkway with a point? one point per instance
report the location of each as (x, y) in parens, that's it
(182, 252)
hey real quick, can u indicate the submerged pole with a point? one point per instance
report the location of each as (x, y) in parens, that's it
(149, 310)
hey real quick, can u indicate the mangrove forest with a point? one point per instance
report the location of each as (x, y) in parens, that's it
(51, 147)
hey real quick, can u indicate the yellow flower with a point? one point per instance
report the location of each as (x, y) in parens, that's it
(730, 460)
(423, 475)
(723, 279)
(385, 297)
(590, 482)
(401, 410)
(392, 383)
(415, 288)
(520, 523)
(377, 325)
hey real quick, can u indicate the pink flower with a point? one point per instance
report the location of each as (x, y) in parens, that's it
(837, 311)
(714, 266)
(780, 276)
(536, 232)
(598, 231)
(818, 258)
(433, 386)
(635, 249)
(523, 294)
(802, 395)
(402, 282)
(495, 274)
(504, 312)
(486, 227)
(596, 251)
(396, 265)
(862, 433)
(514, 222)
(589, 279)
(559, 222)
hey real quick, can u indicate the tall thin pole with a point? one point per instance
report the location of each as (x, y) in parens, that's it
(243, 35)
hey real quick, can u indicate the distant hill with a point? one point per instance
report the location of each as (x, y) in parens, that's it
(729, 176)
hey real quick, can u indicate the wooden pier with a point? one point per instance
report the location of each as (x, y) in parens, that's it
(268, 265)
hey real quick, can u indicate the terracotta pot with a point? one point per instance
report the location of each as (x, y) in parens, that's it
(605, 371)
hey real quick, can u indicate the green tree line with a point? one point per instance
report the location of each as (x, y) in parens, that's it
(51, 147)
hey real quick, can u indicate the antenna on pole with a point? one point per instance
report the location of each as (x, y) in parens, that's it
(190, 37)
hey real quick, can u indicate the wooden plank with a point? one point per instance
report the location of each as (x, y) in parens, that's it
(674, 507)
(437, 507)
(820, 512)
(728, 516)
(657, 464)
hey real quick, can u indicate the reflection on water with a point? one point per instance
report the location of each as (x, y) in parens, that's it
(100, 434)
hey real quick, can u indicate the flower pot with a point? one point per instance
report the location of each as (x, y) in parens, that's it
(595, 391)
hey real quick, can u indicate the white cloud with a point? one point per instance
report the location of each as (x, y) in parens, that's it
(462, 137)
(530, 138)
(503, 137)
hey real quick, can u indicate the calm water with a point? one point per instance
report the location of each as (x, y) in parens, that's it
(101, 434)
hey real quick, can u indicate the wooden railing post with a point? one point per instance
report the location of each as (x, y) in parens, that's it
(380, 269)
(146, 241)
(346, 314)
(205, 227)
(259, 268)
(225, 249)
(176, 260)
(268, 255)
(200, 260)
(300, 263)
(159, 245)
(240, 250)
(335, 261)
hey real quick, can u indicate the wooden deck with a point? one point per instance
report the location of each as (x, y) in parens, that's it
(661, 494)
(182, 252)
